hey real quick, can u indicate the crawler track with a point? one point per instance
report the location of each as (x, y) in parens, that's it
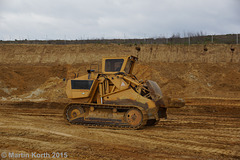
(105, 122)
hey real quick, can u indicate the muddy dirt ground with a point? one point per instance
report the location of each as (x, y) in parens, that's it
(188, 133)
(32, 99)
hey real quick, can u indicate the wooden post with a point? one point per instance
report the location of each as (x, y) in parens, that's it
(237, 39)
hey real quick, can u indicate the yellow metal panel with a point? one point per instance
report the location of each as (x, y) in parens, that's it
(123, 65)
(118, 81)
(79, 93)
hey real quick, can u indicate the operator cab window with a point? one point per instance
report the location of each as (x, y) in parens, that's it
(81, 84)
(113, 65)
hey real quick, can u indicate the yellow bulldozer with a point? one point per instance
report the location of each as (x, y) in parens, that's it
(115, 98)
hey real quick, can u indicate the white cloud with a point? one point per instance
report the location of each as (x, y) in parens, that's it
(74, 19)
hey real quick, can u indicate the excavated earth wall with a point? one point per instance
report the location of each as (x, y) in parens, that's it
(180, 70)
(87, 53)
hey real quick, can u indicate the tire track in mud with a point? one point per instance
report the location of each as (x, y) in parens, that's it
(81, 144)
(50, 132)
(202, 135)
(183, 134)
(212, 132)
(212, 141)
(210, 121)
(192, 145)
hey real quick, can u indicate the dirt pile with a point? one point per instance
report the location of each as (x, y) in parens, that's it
(193, 79)
(19, 80)
(20, 83)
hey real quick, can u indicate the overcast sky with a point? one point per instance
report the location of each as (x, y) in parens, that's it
(87, 19)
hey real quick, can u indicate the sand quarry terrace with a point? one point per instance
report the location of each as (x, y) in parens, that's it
(32, 99)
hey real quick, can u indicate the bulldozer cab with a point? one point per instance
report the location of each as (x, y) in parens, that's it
(119, 64)
(82, 87)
